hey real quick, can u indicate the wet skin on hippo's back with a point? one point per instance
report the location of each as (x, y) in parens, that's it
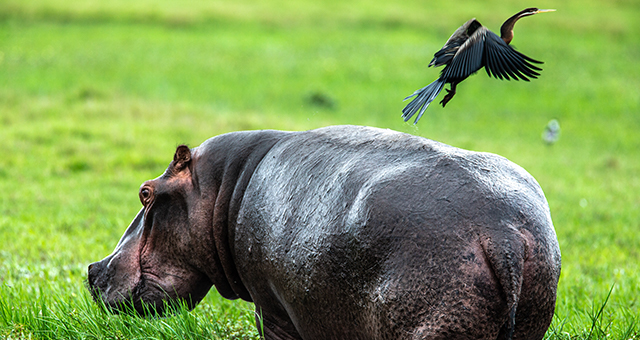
(344, 232)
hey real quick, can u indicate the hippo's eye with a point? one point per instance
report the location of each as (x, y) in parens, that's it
(145, 195)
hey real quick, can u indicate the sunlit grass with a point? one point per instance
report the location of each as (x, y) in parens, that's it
(63, 311)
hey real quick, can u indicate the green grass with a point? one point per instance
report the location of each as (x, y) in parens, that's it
(95, 96)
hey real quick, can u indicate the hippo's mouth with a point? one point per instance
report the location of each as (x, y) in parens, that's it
(146, 299)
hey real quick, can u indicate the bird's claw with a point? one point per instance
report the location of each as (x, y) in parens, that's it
(447, 97)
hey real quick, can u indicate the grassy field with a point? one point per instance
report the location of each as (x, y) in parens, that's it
(95, 96)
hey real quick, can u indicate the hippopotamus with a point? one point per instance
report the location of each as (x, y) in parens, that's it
(343, 232)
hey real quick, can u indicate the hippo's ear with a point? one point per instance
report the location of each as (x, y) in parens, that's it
(182, 157)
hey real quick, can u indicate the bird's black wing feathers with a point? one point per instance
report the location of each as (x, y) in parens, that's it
(502, 61)
(468, 58)
(457, 39)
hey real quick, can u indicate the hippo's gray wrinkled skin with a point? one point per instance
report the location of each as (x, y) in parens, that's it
(344, 232)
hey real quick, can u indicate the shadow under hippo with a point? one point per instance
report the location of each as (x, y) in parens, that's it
(343, 232)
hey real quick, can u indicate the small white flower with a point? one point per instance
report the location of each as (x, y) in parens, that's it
(551, 132)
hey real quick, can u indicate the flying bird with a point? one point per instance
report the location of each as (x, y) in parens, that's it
(471, 47)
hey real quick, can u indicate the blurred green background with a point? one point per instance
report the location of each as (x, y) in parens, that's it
(96, 95)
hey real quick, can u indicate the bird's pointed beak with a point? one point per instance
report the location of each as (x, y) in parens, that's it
(545, 10)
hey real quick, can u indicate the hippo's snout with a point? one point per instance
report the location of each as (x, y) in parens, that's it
(91, 279)
(93, 273)
(98, 284)
(110, 294)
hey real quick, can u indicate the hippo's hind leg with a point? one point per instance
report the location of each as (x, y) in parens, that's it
(450, 297)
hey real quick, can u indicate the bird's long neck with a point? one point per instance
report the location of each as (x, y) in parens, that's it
(506, 31)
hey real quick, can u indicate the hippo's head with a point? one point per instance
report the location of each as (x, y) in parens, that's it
(165, 254)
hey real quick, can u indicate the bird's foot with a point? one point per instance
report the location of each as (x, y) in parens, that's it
(447, 98)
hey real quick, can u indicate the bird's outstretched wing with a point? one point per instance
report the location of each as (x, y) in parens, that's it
(468, 59)
(502, 61)
(485, 48)
(457, 39)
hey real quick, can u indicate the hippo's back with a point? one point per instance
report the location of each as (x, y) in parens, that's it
(404, 233)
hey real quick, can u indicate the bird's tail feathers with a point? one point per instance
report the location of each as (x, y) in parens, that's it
(423, 97)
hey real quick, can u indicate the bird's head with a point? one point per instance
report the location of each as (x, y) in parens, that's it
(506, 31)
(531, 11)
